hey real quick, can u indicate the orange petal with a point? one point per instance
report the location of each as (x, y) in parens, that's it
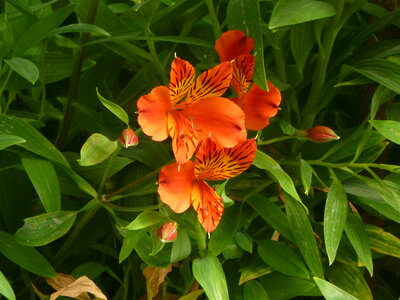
(181, 79)
(259, 106)
(211, 83)
(214, 162)
(219, 118)
(184, 136)
(153, 110)
(243, 67)
(208, 205)
(232, 44)
(175, 185)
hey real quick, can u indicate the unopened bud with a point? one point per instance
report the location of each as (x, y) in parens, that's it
(319, 134)
(128, 138)
(168, 232)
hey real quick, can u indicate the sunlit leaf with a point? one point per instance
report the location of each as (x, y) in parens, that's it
(332, 292)
(145, 219)
(5, 288)
(9, 140)
(118, 111)
(388, 128)
(96, 149)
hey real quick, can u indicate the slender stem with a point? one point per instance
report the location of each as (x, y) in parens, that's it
(278, 139)
(156, 61)
(75, 78)
(128, 209)
(4, 86)
(214, 18)
(107, 170)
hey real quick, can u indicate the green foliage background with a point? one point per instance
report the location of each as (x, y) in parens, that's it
(305, 220)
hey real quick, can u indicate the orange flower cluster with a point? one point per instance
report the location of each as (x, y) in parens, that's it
(194, 113)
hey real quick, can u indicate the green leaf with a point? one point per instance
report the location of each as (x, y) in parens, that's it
(41, 29)
(244, 240)
(96, 149)
(334, 218)
(382, 241)
(44, 178)
(210, 275)
(271, 214)
(301, 44)
(44, 229)
(144, 248)
(118, 111)
(5, 288)
(9, 140)
(254, 290)
(383, 71)
(265, 162)
(131, 239)
(305, 175)
(245, 15)
(26, 257)
(35, 142)
(24, 67)
(388, 128)
(225, 230)
(192, 295)
(304, 235)
(288, 12)
(358, 238)
(81, 27)
(381, 95)
(145, 219)
(332, 292)
(281, 258)
(181, 247)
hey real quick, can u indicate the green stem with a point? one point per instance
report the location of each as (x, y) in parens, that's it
(278, 139)
(75, 78)
(107, 170)
(128, 209)
(4, 86)
(314, 100)
(214, 18)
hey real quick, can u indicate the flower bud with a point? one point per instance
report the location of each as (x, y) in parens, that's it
(128, 138)
(168, 232)
(320, 134)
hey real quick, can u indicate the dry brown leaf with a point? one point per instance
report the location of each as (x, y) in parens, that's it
(68, 286)
(154, 277)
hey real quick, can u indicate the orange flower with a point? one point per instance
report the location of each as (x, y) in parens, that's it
(180, 189)
(258, 105)
(191, 110)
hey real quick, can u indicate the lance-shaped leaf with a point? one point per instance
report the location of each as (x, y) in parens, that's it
(44, 178)
(254, 290)
(305, 175)
(43, 229)
(388, 128)
(117, 110)
(383, 242)
(304, 235)
(331, 291)
(24, 67)
(26, 257)
(96, 149)
(5, 288)
(181, 247)
(145, 219)
(9, 140)
(210, 275)
(334, 218)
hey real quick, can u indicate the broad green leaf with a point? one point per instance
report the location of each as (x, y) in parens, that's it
(145, 219)
(265, 162)
(44, 229)
(254, 290)
(388, 128)
(181, 247)
(304, 235)
(225, 230)
(381, 95)
(288, 12)
(5, 288)
(301, 44)
(244, 240)
(26, 257)
(9, 140)
(24, 67)
(131, 239)
(385, 72)
(35, 142)
(44, 178)
(331, 291)
(81, 27)
(281, 258)
(383, 242)
(144, 248)
(272, 214)
(208, 272)
(334, 218)
(355, 231)
(41, 29)
(350, 278)
(96, 149)
(305, 175)
(118, 111)
(245, 15)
